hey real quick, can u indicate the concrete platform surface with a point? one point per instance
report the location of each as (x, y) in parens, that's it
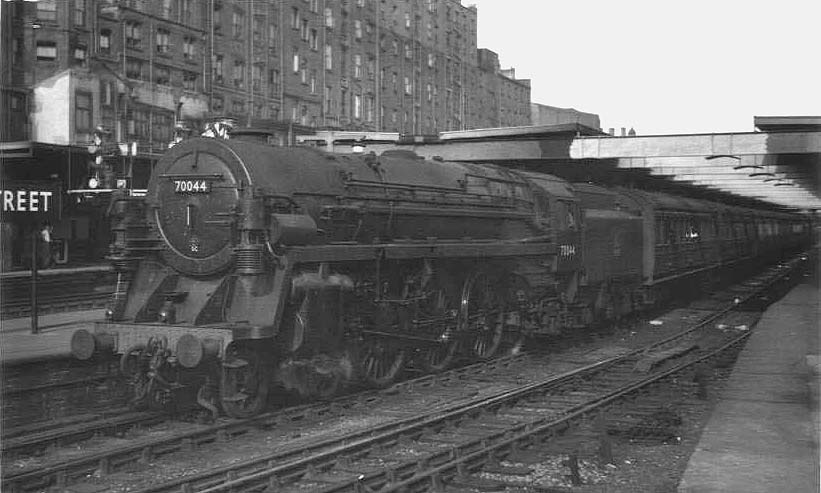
(19, 345)
(763, 435)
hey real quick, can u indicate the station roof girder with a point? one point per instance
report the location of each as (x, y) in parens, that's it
(697, 145)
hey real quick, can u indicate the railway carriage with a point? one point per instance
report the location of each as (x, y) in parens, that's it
(248, 266)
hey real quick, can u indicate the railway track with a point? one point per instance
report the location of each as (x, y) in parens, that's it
(58, 290)
(422, 451)
(110, 460)
(303, 460)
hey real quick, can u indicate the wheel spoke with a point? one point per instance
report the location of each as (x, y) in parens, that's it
(490, 313)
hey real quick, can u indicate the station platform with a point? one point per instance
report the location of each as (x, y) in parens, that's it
(18, 345)
(763, 435)
(56, 271)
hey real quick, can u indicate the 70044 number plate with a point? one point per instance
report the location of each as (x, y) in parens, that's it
(192, 186)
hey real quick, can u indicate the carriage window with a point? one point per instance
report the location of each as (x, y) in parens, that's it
(669, 226)
(691, 231)
(567, 215)
(542, 204)
(660, 237)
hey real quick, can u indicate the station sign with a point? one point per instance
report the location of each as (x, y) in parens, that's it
(32, 200)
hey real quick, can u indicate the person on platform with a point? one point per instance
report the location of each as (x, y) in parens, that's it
(45, 258)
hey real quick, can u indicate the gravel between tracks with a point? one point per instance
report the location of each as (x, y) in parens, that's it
(636, 465)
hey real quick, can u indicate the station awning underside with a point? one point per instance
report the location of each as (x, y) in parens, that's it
(776, 168)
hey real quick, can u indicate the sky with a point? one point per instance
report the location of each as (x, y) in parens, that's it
(662, 67)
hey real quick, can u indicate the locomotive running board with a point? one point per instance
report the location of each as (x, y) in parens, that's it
(419, 250)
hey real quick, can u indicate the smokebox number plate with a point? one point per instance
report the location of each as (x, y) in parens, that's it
(192, 186)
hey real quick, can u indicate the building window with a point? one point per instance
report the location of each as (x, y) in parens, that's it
(217, 19)
(303, 30)
(17, 45)
(46, 50)
(369, 108)
(357, 29)
(138, 124)
(294, 18)
(329, 57)
(395, 47)
(82, 112)
(259, 29)
(431, 60)
(256, 77)
(239, 73)
(218, 73)
(217, 104)
(189, 50)
(47, 10)
(357, 106)
(296, 61)
(105, 41)
(162, 75)
(329, 18)
(187, 14)
(80, 54)
(189, 80)
(163, 36)
(134, 69)
(312, 81)
(237, 106)
(165, 9)
(133, 35)
(371, 67)
(79, 12)
(328, 100)
(106, 93)
(313, 40)
(236, 24)
(314, 6)
(273, 82)
(162, 128)
(408, 51)
(357, 66)
(408, 86)
(272, 35)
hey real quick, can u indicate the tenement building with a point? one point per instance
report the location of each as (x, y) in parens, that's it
(135, 74)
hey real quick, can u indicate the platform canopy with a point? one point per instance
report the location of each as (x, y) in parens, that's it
(779, 164)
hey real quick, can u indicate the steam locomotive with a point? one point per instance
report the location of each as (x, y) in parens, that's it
(248, 266)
